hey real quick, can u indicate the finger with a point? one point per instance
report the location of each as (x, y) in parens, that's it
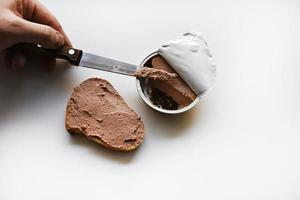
(15, 61)
(39, 34)
(36, 12)
(18, 61)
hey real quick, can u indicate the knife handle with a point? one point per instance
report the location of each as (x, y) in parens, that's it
(73, 56)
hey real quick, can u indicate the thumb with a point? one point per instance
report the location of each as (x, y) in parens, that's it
(44, 35)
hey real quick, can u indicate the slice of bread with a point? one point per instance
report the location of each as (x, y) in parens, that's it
(96, 110)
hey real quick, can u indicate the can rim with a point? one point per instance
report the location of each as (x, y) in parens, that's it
(150, 104)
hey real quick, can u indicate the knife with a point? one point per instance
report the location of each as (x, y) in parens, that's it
(78, 58)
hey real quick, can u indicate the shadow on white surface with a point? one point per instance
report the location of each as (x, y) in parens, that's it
(102, 152)
(169, 126)
(26, 88)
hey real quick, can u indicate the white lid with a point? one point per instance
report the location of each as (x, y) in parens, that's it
(190, 58)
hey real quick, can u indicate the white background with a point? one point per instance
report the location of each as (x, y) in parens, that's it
(242, 141)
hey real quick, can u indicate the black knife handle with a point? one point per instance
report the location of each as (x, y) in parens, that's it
(73, 56)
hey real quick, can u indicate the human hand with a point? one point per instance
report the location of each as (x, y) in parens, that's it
(28, 21)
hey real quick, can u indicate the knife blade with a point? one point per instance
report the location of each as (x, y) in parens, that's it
(101, 63)
(78, 58)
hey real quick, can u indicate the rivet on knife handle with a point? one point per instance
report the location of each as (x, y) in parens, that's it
(70, 54)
